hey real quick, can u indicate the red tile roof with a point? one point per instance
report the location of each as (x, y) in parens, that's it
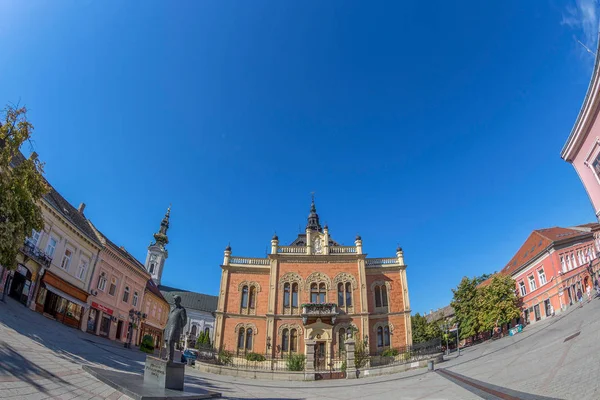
(537, 243)
(151, 286)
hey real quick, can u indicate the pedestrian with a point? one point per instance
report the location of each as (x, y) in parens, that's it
(580, 297)
(589, 293)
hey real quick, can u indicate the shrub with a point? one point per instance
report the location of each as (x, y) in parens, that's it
(225, 357)
(295, 362)
(343, 368)
(255, 357)
(406, 356)
(147, 345)
(390, 353)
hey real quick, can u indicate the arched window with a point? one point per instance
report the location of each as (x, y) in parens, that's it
(341, 339)
(206, 331)
(386, 336)
(245, 297)
(249, 339)
(384, 298)
(293, 340)
(194, 330)
(348, 294)
(252, 301)
(322, 291)
(377, 296)
(340, 294)
(314, 293)
(285, 340)
(380, 337)
(126, 294)
(241, 337)
(286, 295)
(294, 295)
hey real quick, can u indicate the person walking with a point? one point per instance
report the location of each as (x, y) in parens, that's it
(580, 297)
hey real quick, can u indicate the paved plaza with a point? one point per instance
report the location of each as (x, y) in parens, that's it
(42, 359)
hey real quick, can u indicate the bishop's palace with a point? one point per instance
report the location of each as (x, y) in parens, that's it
(312, 292)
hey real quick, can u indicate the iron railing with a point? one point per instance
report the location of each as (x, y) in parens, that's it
(38, 255)
(253, 361)
(405, 354)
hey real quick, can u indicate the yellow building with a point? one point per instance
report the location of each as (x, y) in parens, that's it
(156, 309)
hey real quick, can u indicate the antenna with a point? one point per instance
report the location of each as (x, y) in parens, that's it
(586, 48)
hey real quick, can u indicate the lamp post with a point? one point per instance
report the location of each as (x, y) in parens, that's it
(457, 341)
(447, 332)
(134, 317)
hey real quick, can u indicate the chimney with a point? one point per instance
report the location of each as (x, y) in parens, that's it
(81, 208)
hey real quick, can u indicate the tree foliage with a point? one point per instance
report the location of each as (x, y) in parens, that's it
(480, 309)
(423, 331)
(21, 186)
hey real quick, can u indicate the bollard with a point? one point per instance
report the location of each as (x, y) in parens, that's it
(430, 366)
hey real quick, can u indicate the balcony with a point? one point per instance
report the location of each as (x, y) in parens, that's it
(36, 254)
(319, 310)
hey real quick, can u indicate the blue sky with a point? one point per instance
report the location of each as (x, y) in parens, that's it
(436, 126)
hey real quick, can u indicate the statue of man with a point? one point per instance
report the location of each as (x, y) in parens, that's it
(175, 325)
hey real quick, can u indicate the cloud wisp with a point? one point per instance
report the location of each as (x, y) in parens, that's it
(583, 16)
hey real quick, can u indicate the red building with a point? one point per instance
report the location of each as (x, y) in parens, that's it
(551, 266)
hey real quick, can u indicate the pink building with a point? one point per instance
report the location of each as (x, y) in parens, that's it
(116, 288)
(583, 146)
(551, 266)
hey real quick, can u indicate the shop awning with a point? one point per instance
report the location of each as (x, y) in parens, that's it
(66, 296)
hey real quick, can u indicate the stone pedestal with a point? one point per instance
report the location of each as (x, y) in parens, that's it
(163, 373)
(350, 366)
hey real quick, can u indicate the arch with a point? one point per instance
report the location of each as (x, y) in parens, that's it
(249, 283)
(246, 326)
(344, 277)
(346, 326)
(382, 325)
(318, 277)
(298, 327)
(387, 284)
(290, 277)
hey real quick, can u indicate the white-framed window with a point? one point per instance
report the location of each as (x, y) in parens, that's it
(34, 238)
(532, 285)
(522, 288)
(51, 246)
(135, 299)
(598, 244)
(573, 260)
(83, 264)
(563, 265)
(579, 257)
(569, 265)
(101, 282)
(542, 276)
(113, 286)
(66, 261)
(126, 294)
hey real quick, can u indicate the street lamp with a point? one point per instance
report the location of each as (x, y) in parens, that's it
(446, 326)
(134, 316)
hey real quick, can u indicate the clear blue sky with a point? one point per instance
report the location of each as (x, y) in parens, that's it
(437, 126)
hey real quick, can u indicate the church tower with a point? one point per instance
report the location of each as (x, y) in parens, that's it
(157, 253)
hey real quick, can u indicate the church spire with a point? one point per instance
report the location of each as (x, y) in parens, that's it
(313, 217)
(161, 236)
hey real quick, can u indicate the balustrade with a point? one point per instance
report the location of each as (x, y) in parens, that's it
(249, 261)
(291, 249)
(374, 262)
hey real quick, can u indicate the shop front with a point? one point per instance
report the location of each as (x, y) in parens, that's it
(21, 284)
(99, 319)
(153, 331)
(61, 300)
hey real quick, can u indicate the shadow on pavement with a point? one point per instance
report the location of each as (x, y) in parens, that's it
(12, 363)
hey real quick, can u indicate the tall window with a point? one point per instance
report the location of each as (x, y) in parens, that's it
(51, 247)
(383, 336)
(380, 336)
(289, 340)
(135, 299)
(83, 264)
(294, 295)
(345, 294)
(381, 296)
(194, 330)
(377, 296)
(293, 340)
(102, 282)
(573, 260)
(522, 288)
(35, 238)
(248, 303)
(542, 276)
(341, 339)
(151, 269)
(532, 283)
(126, 294)
(348, 294)
(340, 294)
(569, 265)
(66, 261)
(285, 341)
(317, 293)
(286, 295)
(241, 339)
(113, 286)
(245, 297)
(562, 264)
(249, 339)
(252, 298)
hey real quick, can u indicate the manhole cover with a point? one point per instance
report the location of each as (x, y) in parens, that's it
(572, 336)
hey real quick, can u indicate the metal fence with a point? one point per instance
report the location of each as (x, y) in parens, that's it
(406, 354)
(253, 361)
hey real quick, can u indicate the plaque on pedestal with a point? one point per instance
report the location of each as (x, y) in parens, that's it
(163, 373)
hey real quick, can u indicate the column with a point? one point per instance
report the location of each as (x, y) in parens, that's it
(309, 368)
(98, 321)
(350, 366)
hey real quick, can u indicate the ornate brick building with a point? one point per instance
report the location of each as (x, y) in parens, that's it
(311, 293)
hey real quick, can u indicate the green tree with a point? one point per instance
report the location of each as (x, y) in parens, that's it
(467, 305)
(500, 303)
(419, 328)
(22, 185)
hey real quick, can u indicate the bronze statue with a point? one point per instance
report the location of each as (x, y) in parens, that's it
(175, 325)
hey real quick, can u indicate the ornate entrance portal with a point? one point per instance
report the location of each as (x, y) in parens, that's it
(320, 356)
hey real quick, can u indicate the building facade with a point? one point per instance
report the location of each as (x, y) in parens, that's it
(582, 148)
(313, 292)
(117, 287)
(156, 309)
(552, 266)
